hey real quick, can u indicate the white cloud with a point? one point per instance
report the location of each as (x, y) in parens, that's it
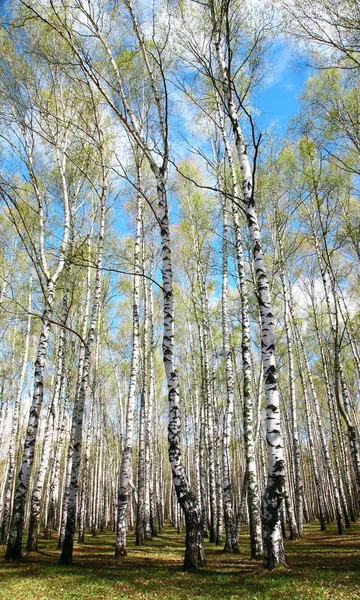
(280, 65)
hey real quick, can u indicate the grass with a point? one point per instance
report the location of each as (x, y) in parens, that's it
(321, 565)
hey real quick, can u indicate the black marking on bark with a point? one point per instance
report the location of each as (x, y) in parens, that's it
(270, 376)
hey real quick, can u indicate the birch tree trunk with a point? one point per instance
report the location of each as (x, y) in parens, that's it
(85, 319)
(85, 477)
(139, 534)
(230, 541)
(151, 432)
(204, 334)
(324, 444)
(14, 546)
(67, 549)
(314, 459)
(299, 491)
(249, 421)
(49, 280)
(126, 458)
(36, 496)
(274, 553)
(330, 402)
(342, 399)
(142, 476)
(194, 540)
(195, 415)
(68, 467)
(148, 467)
(13, 433)
(11, 391)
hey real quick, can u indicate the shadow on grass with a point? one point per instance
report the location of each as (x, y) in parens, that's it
(321, 566)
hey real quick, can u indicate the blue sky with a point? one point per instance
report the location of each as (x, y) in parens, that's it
(277, 100)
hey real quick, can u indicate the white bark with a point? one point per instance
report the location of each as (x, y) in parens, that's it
(14, 547)
(85, 475)
(249, 421)
(194, 552)
(204, 329)
(299, 491)
(126, 458)
(36, 496)
(195, 414)
(324, 444)
(273, 544)
(230, 542)
(66, 555)
(341, 392)
(80, 367)
(14, 429)
(309, 425)
(149, 419)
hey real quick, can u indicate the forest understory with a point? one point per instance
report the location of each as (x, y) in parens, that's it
(320, 565)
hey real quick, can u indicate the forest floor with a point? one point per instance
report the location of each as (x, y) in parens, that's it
(321, 565)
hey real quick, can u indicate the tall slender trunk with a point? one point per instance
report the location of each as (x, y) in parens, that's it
(145, 440)
(95, 508)
(4, 405)
(204, 505)
(195, 415)
(98, 428)
(140, 474)
(67, 549)
(66, 480)
(85, 475)
(13, 433)
(148, 511)
(36, 496)
(324, 444)
(314, 458)
(204, 323)
(330, 402)
(345, 464)
(14, 546)
(85, 319)
(54, 480)
(273, 545)
(344, 408)
(194, 541)
(337, 457)
(219, 481)
(342, 399)
(230, 541)
(126, 458)
(288, 488)
(158, 464)
(299, 491)
(249, 421)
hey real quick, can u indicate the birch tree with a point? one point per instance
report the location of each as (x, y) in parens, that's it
(14, 430)
(273, 544)
(99, 185)
(124, 111)
(126, 462)
(23, 117)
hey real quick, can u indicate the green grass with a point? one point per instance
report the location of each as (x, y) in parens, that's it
(321, 565)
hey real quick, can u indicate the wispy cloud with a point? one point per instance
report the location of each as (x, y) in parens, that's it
(281, 72)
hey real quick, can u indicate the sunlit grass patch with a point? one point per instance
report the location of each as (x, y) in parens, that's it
(322, 565)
